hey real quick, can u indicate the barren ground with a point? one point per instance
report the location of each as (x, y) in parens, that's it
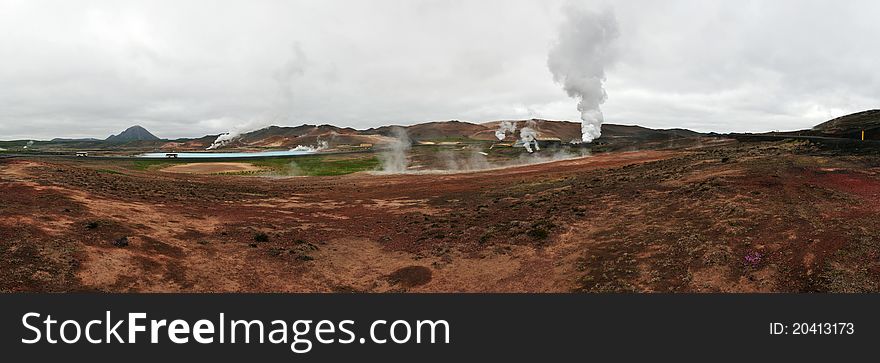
(741, 217)
(210, 168)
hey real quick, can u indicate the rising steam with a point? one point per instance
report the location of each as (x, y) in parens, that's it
(503, 128)
(393, 157)
(284, 77)
(471, 160)
(529, 138)
(236, 132)
(321, 145)
(578, 61)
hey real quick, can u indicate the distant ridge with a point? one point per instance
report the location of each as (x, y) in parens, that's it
(333, 136)
(565, 131)
(61, 139)
(134, 133)
(452, 130)
(852, 125)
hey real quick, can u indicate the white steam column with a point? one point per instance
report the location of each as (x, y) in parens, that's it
(529, 138)
(578, 61)
(503, 128)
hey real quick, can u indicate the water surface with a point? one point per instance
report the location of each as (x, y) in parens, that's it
(230, 154)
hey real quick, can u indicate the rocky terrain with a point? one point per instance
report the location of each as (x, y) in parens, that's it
(719, 216)
(639, 210)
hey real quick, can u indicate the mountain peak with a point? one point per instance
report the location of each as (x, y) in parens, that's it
(134, 133)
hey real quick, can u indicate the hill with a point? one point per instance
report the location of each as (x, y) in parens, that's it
(134, 133)
(851, 126)
(435, 130)
(279, 136)
(307, 135)
(563, 130)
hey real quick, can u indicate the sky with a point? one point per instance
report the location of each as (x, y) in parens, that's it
(190, 68)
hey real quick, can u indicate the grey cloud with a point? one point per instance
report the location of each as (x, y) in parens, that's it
(89, 69)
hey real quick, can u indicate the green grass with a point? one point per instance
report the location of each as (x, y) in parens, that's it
(313, 165)
(319, 165)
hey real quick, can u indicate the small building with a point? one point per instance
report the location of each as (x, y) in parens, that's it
(82, 154)
(549, 141)
(171, 155)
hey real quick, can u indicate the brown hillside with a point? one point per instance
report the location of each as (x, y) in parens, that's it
(453, 129)
(282, 137)
(851, 126)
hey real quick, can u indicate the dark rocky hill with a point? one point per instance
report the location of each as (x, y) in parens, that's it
(134, 133)
(851, 126)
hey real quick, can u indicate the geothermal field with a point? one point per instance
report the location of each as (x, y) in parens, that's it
(369, 198)
(448, 207)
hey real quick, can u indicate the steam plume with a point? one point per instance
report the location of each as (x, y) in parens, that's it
(394, 156)
(236, 132)
(466, 160)
(503, 128)
(529, 137)
(321, 145)
(578, 61)
(284, 77)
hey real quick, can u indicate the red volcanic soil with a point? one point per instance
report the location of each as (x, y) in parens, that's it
(725, 217)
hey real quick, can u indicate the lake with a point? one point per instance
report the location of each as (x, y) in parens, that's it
(232, 154)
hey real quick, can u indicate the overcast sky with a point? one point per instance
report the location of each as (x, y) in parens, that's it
(189, 68)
